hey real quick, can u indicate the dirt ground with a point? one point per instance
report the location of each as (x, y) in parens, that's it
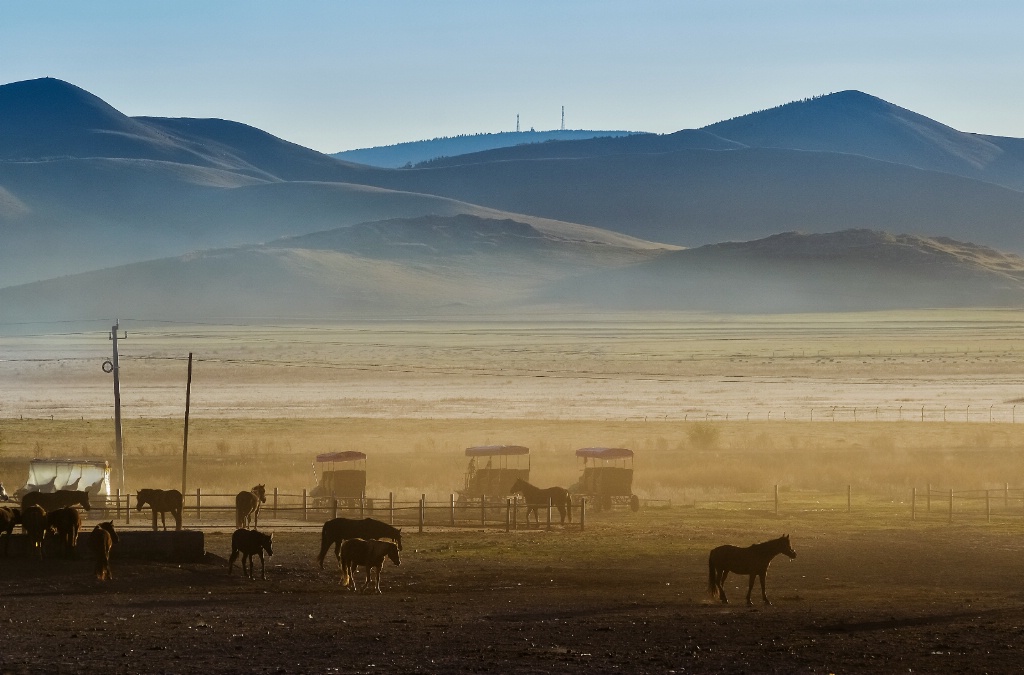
(626, 595)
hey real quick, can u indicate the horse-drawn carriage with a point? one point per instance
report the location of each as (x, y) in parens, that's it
(492, 470)
(346, 484)
(49, 475)
(607, 477)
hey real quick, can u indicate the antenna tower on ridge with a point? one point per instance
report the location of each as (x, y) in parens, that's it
(517, 123)
(563, 118)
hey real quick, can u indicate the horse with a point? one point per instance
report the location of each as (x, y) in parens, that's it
(33, 519)
(4, 497)
(752, 560)
(103, 539)
(250, 543)
(338, 530)
(51, 501)
(537, 498)
(247, 505)
(161, 501)
(9, 517)
(65, 523)
(368, 553)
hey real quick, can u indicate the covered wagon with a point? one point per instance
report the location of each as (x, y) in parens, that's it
(492, 469)
(342, 476)
(50, 474)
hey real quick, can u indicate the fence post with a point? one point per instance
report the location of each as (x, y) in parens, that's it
(304, 503)
(1006, 495)
(549, 513)
(391, 508)
(362, 504)
(583, 514)
(849, 498)
(128, 509)
(453, 509)
(118, 502)
(928, 497)
(776, 499)
(334, 507)
(508, 514)
(951, 505)
(423, 510)
(988, 506)
(274, 511)
(913, 504)
(199, 504)
(483, 509)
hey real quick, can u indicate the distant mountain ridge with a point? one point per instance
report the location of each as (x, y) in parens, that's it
(415, 152)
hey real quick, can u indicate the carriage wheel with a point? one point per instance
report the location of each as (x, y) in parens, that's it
(634, 503)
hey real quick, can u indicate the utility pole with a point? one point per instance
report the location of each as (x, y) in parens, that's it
(563, 118)
(112, 367)
(184, 447)
(517, 123)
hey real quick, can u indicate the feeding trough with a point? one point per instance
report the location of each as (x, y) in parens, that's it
(607, 477)
(342, 477)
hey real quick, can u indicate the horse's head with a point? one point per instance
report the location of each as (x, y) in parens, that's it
(517, 487)
(109, 527)
(398, 538)
(267, 542)
(83, 499)
(394, 555)
(139, 500)
(261, 492)
(785, 547)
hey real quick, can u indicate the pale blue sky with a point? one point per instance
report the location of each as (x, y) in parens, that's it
(340, 75)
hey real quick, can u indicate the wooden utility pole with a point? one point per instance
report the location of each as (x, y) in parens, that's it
(112, 367)
(184, 445)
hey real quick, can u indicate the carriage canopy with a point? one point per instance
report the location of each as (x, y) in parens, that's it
(50, 475)
(496, 450)
(604, 453)
(345, 456)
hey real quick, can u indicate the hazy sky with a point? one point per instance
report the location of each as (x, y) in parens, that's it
(336, 75)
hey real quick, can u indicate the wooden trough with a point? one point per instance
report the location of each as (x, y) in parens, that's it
(171, 546)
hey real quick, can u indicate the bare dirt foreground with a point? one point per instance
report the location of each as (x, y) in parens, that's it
(627, 595)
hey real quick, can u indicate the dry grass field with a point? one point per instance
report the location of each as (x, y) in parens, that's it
(718, 410)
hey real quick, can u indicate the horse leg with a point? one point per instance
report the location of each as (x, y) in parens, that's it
(379, 569)
(721, 586)
(263, 567)
(154, 519)
(764, 596)
(750, 588)
(177, 517)
(231, 562)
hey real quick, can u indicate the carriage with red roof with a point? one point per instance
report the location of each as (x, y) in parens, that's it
(492, 470)
(342, 477)
(607, 477)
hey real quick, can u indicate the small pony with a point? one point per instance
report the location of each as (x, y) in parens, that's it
(161, 501)
(752, 560)
(250, 543)
(247, 505)
(368, 553)
(103, 539)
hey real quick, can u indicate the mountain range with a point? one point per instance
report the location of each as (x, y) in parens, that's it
(205, 217)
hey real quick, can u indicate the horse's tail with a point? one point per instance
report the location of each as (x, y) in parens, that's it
(238, 517)
(712, 582)
(325, 544)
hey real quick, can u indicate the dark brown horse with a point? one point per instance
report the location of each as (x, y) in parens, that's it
(9, 517)
(33, 519)
(539, 498)
(247, 506)
(250, 543)
(161, 501)
(338, 530)
(752, 560)
(65, 523)
(103, 539)
(51, 501)
(368, 553)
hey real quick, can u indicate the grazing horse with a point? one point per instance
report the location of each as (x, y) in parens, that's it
(161, 501)
(103, 539)
(9, 517)
(250, 543)
(33, 519)
(752, 560)
(66, 523)
(51, 501)
(247, 505)
(538, 498)
(368, 553)
(338, 530)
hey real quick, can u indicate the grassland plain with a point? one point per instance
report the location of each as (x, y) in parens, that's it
(719, 410)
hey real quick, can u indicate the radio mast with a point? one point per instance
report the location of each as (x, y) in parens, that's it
(517, 123)
(563, 118)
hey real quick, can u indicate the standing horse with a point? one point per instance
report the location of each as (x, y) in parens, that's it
(537, 498)
(250, 543)
(33, 519)
(66, 523)
(247, 505)
(51, 501)
(103, 539)
(752, 560)
(338, 530)
(9, 517)
(368, 553)
(161, 501)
